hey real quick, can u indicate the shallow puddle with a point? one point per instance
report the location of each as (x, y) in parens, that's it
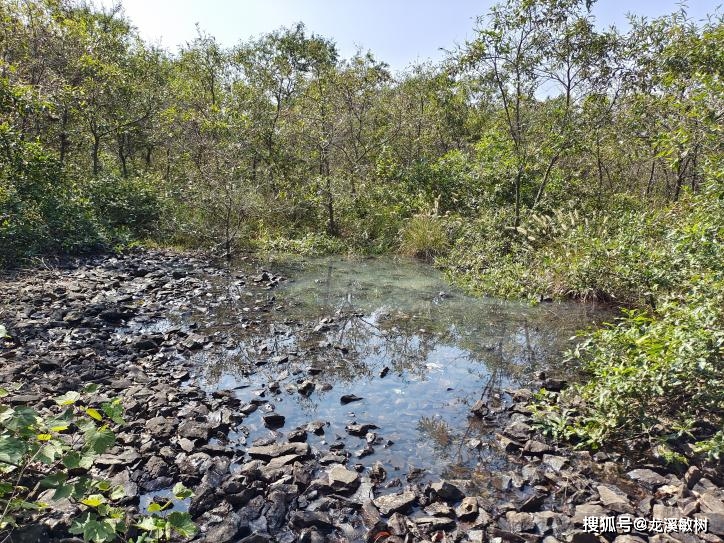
(417, 351)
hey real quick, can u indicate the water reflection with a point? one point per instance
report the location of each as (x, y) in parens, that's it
(393, 332)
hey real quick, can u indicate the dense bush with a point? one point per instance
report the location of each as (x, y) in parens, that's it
(128, 207)
(656, 376)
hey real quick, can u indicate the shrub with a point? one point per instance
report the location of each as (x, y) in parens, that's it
(424, 236)
(656, 377)
(50, 457)
(128, 207)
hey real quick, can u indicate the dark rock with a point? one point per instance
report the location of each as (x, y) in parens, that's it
(429, 524)
(395, 503)
(377, 473)
(268, 452)
(341, 478)
(440, 509)
(191, 429)
(306, 388)
(447, 491)
(648, 478)
(360, 429)
(614, 498)
(311, 519)
(349, 398)
(227, 531)
(518, 430)
(273, 420)
(536, 448)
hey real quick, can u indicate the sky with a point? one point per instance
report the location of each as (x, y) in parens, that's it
(399, 32)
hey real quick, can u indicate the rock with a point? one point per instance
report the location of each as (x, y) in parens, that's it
(588, 510)
(316, 427)
(281, 461)
(536, 448)
(341, 478)
(628, 538)
(519, 522)
(480, 408)
(692, 476)
(156, 467)
(429, 524)
(34, 533)
(585, 537)
(360, 430)
(194, 342)
(447, 491)
(506, 444)
(468, 509)
(394, 503)
(349, 398)
(614, 498)
(224, 532)
(501, 482)
(378, 473)
(554, 461)
(273, 420)
(191, 429)
(518, 430)
(311, 519)
(160, 427)
(439, 509)
(267, 452)
(711, 503)
(306, 388)
(147, 345)
(648, 478)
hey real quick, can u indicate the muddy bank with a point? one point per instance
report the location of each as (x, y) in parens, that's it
(135, 325)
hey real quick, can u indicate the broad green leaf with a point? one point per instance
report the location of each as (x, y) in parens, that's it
(12, 450)
(4, 332)
(92, 388)
(50, 452)
(114, 411)
(118, 492)
(93, 413)
(72, 459)
(182, 523)
(94, 500)
(100, 439)
(21, 419)
(69, 398)
(181, 492)
(62, 492)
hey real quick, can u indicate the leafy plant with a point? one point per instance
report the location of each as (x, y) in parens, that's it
(52, 455)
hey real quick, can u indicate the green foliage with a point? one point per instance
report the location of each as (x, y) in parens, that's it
(49, 457)
(656, 370)
(424, 236)
(309, 245)
(131, 206)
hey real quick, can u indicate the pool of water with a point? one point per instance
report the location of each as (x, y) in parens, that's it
(391, 331)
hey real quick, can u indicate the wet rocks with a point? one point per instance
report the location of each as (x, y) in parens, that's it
(343, 479)
(360, 430)
(273, 420)
(267, 452)
(106, 321)
(394, 503)
(447, 491)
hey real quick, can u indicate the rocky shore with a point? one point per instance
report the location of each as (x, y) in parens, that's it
(94, 321)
